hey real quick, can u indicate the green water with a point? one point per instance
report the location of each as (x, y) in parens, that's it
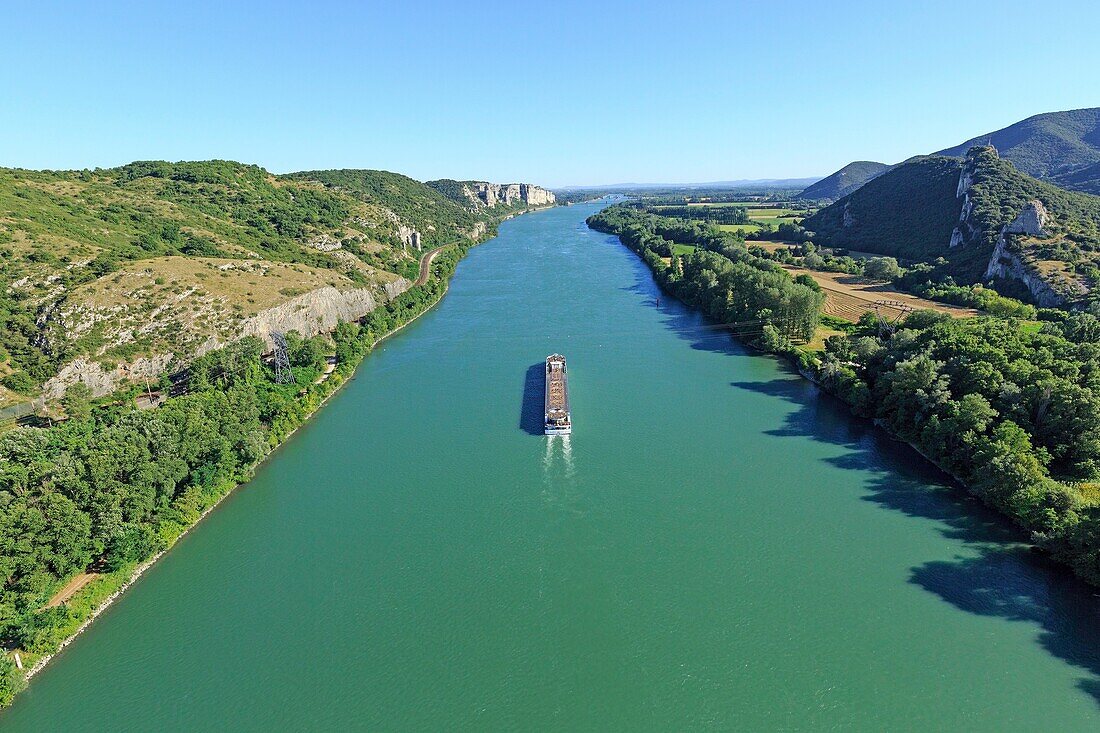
(716, 546)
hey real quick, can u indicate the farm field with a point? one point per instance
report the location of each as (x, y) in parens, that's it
(850, 296)
(773, 213)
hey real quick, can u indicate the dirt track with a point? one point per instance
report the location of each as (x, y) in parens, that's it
(71, 589)
(426, 264)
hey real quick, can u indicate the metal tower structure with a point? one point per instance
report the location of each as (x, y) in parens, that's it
(283, 374)
(887, 321)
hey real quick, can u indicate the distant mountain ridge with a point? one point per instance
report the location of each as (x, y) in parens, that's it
(1060, 147)
(787, 183)
(1047, 146)
(844, 181)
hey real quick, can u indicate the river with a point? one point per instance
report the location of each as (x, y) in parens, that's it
(716, 546)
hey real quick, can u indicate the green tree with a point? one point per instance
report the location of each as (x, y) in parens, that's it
(77, 401)
(881, 268)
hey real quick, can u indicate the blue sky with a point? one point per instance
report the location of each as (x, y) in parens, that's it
(553, 92)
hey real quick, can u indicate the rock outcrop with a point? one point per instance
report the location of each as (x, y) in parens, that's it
(309, 314)
(1009, 263)
(965, 231)
(324, 243)
(409, 237)
(320, 310)
(849, 220)
(487, 195)
(1031, 220)
(102, 380)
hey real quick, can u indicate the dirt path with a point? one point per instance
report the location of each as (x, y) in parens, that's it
(426, 263)
(850, 296)
(71, 588)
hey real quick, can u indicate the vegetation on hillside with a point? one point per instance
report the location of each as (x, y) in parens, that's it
(911, 212)
(112, 486)
(1085, 179)
(71, 243)
(439, 218)
(844, 181)
(1047, 146)
(999, 192)
(907, 212)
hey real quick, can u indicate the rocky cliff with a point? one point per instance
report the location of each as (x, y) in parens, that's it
(314, 312)
(1022, 249)
(487, 195)
(1050, 287)
(320, 310)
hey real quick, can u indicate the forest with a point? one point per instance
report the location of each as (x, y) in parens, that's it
(112, 485)
(722, 277)
(1009, 407)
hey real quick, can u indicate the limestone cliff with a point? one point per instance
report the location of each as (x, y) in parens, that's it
(320, 310)
(1051, 288)
(487, 195)
(314, 312)
(1021, 248)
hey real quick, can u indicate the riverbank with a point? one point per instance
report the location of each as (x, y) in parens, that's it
(397, 551)
(994, 460)
(94, 597)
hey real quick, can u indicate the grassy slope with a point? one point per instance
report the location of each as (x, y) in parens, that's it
(67, 238)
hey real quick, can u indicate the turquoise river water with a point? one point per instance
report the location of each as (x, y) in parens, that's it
(717, 546)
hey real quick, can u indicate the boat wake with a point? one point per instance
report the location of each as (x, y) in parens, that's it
(558, 473)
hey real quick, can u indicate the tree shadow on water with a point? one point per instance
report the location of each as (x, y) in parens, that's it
(531, 409)
(1018, 585)
(1005, 578)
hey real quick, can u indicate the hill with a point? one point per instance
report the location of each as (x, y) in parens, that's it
(844, 181)
(1085, 179)
(986, 219)
(116, 275)
(1051, 146)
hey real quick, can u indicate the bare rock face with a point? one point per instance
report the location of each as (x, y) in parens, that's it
(478, 230)
(320, 310)
(1031, 220)
(1008, 265)
(849, 219)
(535, 196)
(409, 237)
(488, 195)
(101, 380)
(309, 314)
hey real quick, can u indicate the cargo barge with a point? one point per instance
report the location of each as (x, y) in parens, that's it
(558, 419)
